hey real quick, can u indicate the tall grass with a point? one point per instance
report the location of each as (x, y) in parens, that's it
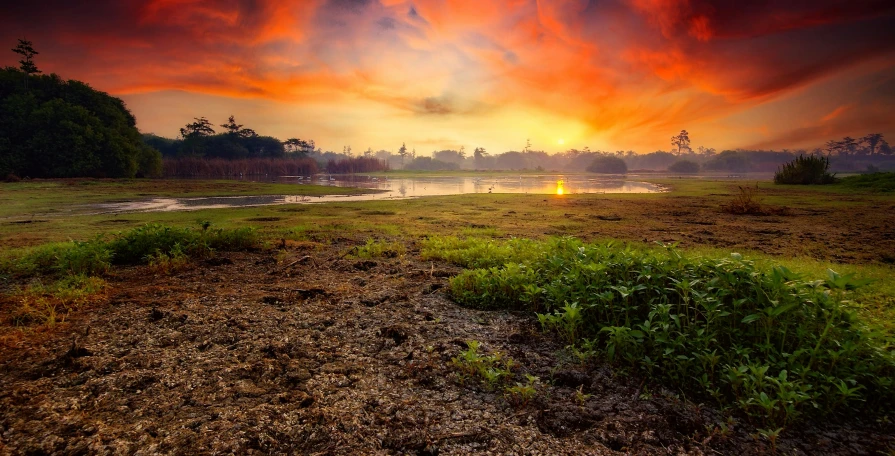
(220, 167)
(761, 339)
(356, 165)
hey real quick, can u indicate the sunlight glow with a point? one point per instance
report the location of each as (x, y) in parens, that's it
(559, 190)
(561, 141)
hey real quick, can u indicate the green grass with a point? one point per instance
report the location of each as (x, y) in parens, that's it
(875, 182)
(758, 337)
(141, 245)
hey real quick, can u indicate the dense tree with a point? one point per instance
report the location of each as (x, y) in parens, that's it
(430, 164)
(681, 142)
(59, 128)
(608, 164)
(848, 146)
(872, 141)
(684, 167)
(449, 156)
(729, 160)
(299, 146)
(201, 127)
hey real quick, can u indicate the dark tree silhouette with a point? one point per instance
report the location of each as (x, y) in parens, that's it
(231, 126)
(26, 50)
(403, 153)
(681, 141)
(872, 141)
(848, 145)
(201, 127)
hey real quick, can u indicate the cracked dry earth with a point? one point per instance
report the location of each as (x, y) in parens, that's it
(330, 355)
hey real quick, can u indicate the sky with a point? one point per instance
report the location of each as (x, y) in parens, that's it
(439, 74)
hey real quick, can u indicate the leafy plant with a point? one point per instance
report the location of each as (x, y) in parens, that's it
(765, 340)
(492, 370)
(522, 393)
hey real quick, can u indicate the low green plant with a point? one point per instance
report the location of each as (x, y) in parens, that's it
(492, 369)
(166, 263)
(380, 249)
(521, 393)
(805, 170)
(580, 396)
(766, 340)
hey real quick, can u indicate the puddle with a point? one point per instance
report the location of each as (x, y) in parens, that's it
(396, 188)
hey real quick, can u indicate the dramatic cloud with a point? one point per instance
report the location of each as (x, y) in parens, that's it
(622, 74)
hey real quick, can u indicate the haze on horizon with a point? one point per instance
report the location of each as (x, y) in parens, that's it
(619, 74)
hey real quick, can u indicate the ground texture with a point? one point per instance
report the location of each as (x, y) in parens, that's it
(315, 352)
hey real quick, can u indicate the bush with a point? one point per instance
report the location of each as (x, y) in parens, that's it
(684, 167)
(810, 170)
(764, 340)
(608, 164)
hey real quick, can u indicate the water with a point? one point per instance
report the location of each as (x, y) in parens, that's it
(398, 188)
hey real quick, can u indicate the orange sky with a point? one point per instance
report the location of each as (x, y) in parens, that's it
(610, 75)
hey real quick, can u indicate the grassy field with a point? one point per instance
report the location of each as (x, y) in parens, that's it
(35, 213)
(791, 302)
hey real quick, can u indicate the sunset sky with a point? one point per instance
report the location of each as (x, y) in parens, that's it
(610, 75)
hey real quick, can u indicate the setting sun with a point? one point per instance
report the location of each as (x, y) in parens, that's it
(561, 141)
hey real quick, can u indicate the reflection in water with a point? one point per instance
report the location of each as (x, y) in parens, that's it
(400, 188)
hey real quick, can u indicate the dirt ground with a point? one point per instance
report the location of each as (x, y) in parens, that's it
(332, 355)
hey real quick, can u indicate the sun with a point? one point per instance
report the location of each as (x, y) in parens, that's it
(561, 141)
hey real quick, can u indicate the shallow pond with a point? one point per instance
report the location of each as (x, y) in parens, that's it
(398, 188)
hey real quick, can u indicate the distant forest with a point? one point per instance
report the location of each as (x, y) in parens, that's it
(50, 127)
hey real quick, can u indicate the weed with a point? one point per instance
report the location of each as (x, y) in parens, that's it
(521, 394)
(580, 396)
(492, 370)
(167, 263)
(746, 202)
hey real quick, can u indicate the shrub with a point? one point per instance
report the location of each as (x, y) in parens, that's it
(684, 167)
(152, 243)
(608, 164)
(805, 171)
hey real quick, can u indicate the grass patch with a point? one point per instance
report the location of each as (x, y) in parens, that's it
(762, 339)
(380, 249)
(875, 182)
(152, 243)
(40, 304)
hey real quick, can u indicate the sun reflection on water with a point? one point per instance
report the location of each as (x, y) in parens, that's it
(559, 184)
